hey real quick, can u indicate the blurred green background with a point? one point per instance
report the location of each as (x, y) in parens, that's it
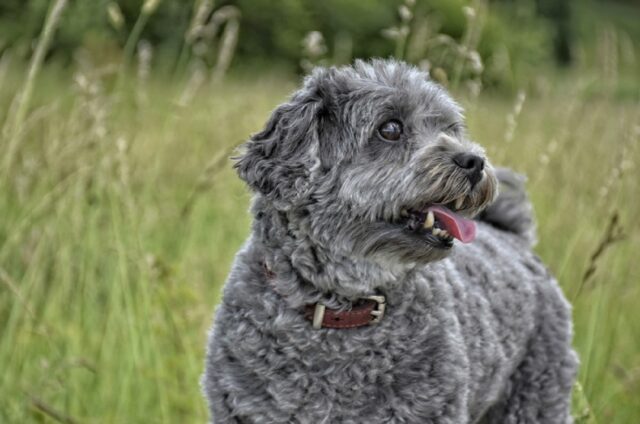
(120, 213)
(515, 38)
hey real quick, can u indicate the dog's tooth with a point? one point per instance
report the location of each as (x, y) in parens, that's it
(428, 223)
(436, 231)
(459, 202)
(404, 213)
(444, 233)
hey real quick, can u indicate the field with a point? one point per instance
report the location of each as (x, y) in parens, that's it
(121, 215)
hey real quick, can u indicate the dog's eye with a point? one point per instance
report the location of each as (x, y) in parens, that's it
(454, 128)
(391, 130)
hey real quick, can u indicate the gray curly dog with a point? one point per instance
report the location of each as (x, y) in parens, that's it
(365, 292)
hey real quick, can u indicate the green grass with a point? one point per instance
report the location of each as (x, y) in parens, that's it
(120, 221)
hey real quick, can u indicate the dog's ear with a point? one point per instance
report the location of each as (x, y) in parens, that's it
(279, 160)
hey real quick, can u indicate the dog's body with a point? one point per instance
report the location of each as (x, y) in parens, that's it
(477, 333)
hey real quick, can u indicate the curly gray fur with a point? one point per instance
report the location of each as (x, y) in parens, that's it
(474, 333)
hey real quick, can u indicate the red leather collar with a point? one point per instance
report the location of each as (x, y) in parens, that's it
(365, 311)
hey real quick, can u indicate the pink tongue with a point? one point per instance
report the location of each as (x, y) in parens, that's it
(461, 228)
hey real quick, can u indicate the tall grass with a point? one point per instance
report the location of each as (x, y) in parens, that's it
(114, 240)
(13, 125)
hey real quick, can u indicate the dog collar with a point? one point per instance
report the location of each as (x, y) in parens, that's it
(365, 311)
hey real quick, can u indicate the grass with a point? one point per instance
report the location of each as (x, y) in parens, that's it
(120, 221)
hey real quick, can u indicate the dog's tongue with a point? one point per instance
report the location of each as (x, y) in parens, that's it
(459, 227)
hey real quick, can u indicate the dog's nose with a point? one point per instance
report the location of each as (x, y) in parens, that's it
(472, 164)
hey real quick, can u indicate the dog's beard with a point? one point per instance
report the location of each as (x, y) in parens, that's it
(417, 230)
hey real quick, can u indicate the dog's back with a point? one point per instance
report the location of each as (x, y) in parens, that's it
(512, 211)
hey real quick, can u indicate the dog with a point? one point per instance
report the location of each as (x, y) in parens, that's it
(366, 292)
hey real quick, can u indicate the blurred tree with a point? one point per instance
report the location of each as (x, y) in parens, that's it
(272, 30)
(362, 21)
(20, 22)
(559, 12)
(516, 34)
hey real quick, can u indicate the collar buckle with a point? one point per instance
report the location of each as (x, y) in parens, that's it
(378, 312)
(318, 315)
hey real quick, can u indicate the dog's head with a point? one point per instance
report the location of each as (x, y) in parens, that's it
(372, 160)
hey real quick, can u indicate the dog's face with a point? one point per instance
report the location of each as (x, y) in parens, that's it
(373, 161)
